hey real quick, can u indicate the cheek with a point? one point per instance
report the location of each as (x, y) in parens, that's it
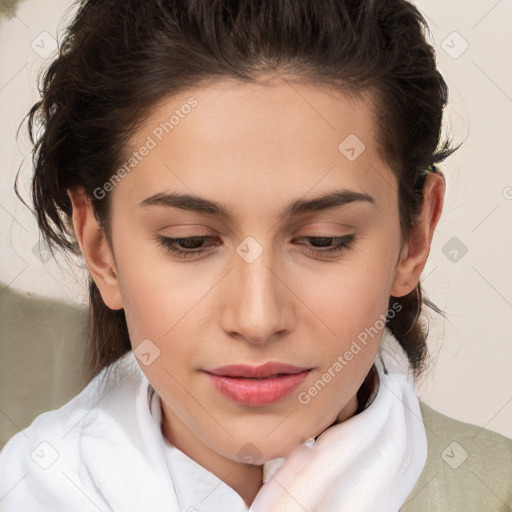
(146, 305)
(349, 296)
(147, 289)
(163, 302)
(143, 305)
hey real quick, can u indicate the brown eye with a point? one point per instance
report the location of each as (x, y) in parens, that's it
(327, 245)
(187, 246)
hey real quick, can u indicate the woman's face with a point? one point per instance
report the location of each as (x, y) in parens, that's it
(247, 167)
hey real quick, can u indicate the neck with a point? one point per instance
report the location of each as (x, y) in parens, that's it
(245, 479)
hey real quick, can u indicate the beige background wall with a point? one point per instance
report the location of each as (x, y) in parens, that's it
(468, 274)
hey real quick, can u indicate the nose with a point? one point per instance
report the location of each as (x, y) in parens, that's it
(257, 307)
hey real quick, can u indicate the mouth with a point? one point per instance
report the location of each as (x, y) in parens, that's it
(257, 386)
(266, 370)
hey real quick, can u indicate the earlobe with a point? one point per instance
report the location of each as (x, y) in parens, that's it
(415, 253)
(95, 247)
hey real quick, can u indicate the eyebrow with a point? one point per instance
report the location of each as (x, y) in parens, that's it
(329, 200)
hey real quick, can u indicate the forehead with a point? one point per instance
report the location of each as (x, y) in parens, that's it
(260, 140)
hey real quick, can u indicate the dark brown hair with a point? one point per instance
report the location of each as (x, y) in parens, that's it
(119, 58)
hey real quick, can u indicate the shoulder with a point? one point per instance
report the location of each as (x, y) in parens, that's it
(49, 453)
(468, 468)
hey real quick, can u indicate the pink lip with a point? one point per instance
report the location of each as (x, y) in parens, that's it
(257, 385)
(264, 370)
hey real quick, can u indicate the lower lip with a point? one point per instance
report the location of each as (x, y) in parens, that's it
(257, 392)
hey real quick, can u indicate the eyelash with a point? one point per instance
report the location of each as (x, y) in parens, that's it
(344, 243)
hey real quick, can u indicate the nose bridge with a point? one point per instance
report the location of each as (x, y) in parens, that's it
(256, 305)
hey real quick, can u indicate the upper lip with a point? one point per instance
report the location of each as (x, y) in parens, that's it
(261, 371)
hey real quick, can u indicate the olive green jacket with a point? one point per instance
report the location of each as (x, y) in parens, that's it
(468, 468)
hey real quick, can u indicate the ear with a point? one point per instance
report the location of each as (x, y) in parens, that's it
(415, 253)
(95, 248)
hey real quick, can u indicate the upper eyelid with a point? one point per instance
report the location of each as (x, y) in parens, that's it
(209, 237)
(307, 223)
(309, 227)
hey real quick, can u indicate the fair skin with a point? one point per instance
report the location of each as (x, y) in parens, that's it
(255, 149)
